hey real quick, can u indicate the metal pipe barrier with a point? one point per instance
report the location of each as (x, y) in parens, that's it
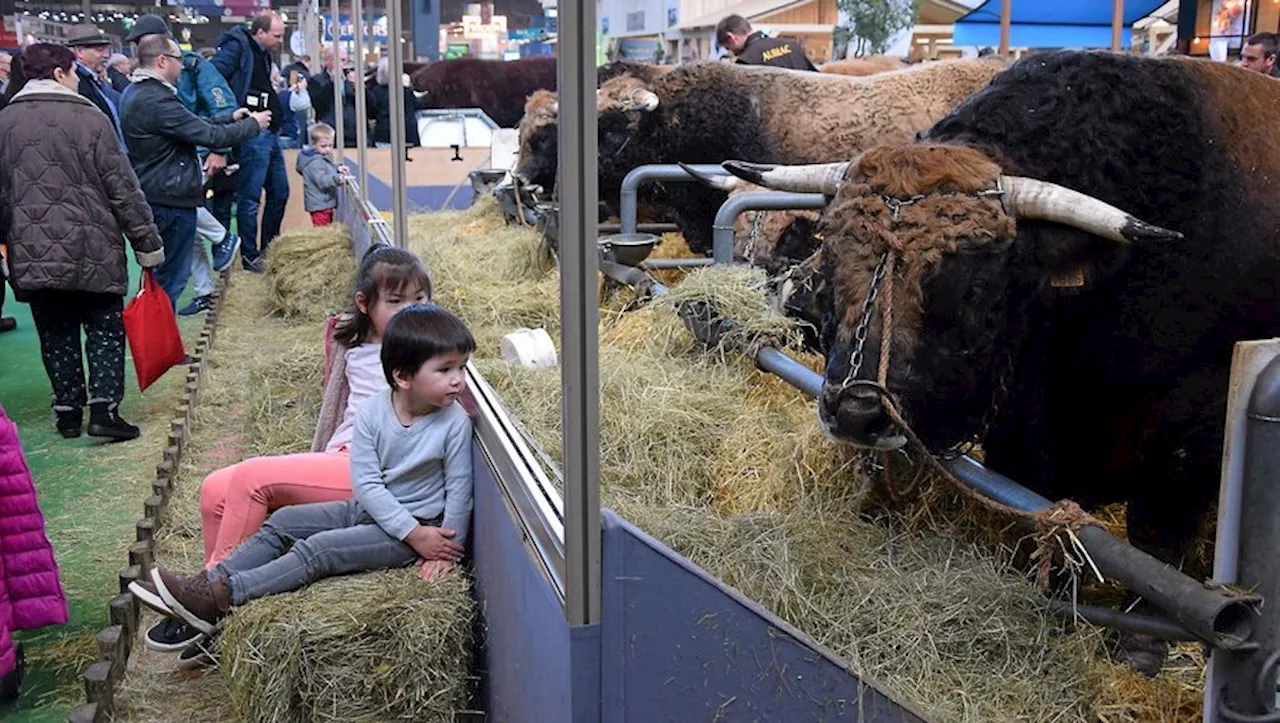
(722, 228)
(1156, 627)
(363, 221)
(1250, 675)
(676, 263)
(362, 113)
(395, 91)
(627, 200)
(335, 32)
(1209, 613)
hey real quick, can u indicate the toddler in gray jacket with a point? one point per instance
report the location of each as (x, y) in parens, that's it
(321, 176)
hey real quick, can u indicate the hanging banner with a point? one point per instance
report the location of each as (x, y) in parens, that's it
(375, 28)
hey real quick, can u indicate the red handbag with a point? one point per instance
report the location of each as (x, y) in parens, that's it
(152, 329)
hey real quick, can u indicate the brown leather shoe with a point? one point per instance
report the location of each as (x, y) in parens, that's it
(199, 600)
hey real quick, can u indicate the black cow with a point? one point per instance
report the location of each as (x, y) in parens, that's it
(1113, 338)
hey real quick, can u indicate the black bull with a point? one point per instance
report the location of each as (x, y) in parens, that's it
(1098, 370)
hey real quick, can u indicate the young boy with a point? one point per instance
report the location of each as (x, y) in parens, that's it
(410, 471)
(320, 175)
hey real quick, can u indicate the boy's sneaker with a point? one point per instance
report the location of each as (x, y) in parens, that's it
(70, 422)
(147, 594)
(170, 636)
(8, 323)
(198, 305)
(201, 653)
(105, 421)
(224, 252)
(200, 600)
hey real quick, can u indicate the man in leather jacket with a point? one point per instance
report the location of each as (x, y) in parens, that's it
(162, 137)
(735, 34)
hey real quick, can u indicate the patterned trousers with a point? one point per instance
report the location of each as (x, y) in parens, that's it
(59, 316)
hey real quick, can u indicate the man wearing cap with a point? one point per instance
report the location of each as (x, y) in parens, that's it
(92, 48)
(203, 91)
(244, 59)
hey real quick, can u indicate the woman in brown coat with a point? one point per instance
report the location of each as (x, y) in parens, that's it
(68, 197)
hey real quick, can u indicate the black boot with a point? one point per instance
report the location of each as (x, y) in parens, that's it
(10, 683)
(69, 422)
(105, 421)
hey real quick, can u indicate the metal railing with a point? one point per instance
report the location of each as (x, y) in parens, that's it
(366, 224)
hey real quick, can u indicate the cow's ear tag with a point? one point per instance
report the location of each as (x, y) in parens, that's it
(1070, 279)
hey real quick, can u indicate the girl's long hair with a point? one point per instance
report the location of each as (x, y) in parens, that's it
(384, 269)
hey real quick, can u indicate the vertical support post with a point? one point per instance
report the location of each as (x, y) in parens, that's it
(395, 91)
(1117, 25)
(577, 176)
(1248, 677)
(1248, 362)
(1006, 15)
(335, 28)
(426, 29)
(1186, 26)
(362, 113)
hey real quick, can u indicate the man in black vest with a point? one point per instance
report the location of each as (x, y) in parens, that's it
(753, 47)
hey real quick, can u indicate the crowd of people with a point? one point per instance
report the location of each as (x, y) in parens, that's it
(197, 137)
(100, 152)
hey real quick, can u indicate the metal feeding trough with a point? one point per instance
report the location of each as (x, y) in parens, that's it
(484, 179)
(628, 249)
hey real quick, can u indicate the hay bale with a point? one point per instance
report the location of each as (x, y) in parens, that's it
(310, 272)
(286, 383)
(375, 647)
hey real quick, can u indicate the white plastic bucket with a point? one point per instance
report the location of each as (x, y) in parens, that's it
(530, 348)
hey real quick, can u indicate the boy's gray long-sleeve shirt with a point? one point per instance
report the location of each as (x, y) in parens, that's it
(401, 475)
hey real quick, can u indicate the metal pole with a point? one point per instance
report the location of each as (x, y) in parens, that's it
(1248, 361)
(580, 374)
(336, 29)
(627, 198)
(722, 228)
(1250, 675)
(362, 113)
(1117, 24)
(395, 91)
(1006, 13)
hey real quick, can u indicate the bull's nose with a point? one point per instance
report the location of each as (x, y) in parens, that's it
(857, 415)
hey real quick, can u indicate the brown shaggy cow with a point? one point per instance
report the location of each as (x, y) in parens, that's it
(870, 65)
(711, 112)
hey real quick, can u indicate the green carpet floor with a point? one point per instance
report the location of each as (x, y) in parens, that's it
(91, 494)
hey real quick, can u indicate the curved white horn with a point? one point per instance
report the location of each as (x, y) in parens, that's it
(824, 178)
(1041, 200)
(554, 108)
(641, 99)
(723, 183)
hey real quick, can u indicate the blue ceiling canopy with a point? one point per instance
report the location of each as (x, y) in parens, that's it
(1051, 23)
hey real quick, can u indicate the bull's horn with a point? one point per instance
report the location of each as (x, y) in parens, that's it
(723, 183)
(641, 99)
(1034, 199)
(822, 178)
(555, 108)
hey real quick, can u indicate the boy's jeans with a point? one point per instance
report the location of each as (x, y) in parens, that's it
(329, 539)
(207, 230)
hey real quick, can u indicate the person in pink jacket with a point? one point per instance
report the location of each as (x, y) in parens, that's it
(30, 593)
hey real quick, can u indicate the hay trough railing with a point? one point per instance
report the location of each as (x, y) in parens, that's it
(362, 219)
(1209, 613)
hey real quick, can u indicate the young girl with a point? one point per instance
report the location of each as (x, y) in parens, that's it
(235, 500)
(411, 472)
